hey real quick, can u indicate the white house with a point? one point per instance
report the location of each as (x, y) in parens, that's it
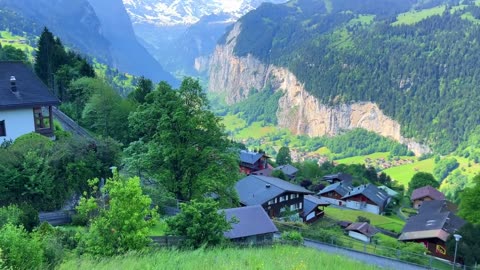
(25, 102)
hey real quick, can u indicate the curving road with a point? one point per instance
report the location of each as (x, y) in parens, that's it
(379, 261)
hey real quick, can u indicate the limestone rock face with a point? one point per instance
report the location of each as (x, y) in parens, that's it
(299, 111)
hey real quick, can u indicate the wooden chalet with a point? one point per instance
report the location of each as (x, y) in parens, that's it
(273, 194)
(338, 177)
(252, 161)
(334, 193)
(432, 226)
(313, 208)
(423, 194)
(368, 198)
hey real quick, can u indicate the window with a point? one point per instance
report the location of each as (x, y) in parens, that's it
(300, 206)
(3, 132)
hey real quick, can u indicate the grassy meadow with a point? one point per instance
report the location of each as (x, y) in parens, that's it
(274, 258)
(391, 223)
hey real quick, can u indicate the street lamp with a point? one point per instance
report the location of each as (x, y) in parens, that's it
(457, 239)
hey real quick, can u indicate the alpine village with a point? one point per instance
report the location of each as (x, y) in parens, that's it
(240, 134)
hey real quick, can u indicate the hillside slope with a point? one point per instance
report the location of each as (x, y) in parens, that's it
(414, 60)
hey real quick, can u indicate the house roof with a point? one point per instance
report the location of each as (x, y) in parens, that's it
(341, 188)
(433, 216)
(264, 172)
(311, 202)
(338, 176)
(250, 157)
(376, 195)
(252, 220)
(389, 191)
(31, 91)
(287, 169)
(256, 189)
(363, 228)
(427, 191)
(437, 207)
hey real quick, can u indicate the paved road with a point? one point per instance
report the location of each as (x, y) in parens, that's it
(366, 258)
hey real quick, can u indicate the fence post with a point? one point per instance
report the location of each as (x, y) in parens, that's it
(399, 253)
(430, 261)
(365, 247)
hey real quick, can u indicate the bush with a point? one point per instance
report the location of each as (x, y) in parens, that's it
(292, 237)
(10, 214)
(21, 251)
(29, 218)
(363, 219)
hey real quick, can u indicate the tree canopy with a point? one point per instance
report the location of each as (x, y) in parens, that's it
(469, 198)
(283, 156)
(183, 145)
(422, 179)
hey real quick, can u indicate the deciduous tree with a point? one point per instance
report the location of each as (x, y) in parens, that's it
(422, 179)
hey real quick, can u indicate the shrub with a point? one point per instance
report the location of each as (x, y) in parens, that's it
(363, 219)
(10, 214)
(21, 251)
(29, 218)
(292, 237)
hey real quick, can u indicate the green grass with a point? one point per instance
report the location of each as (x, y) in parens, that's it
(469, 17)
(159, 229)
(404, 173)
(276, 257)
(361, 159)
(255, 131)
(388, 223)
(413, 17)
(7, 38)
(233, 122)
(362, 20)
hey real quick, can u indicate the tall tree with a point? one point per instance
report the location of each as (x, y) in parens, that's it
(283, 156)
(144, 87)
(469, 206)
(422, 179)
(469, 245)
(188, 150)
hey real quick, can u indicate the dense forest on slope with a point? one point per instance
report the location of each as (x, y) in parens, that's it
(420, 66)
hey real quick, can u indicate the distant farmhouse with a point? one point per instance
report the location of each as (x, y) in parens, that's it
(433, 224)
(252, 161)
(252, 226)
(368, 198)
(289, 171)
(425, 194)
(334, 193)
(25, 102)
(273, 194)
(362, 231)
(338, 177)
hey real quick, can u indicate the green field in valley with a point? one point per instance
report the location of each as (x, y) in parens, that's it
(276, 257)
(404, 173)
(391, 223)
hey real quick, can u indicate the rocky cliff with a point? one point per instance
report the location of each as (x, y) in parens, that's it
(298, 111)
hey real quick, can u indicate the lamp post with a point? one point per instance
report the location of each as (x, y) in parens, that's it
(457, 239)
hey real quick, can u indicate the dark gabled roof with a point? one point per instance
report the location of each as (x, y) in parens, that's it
(256, 189)
(434, 220)
(376, 195)
(287, 169)
(341, 188)
(427, 191)
(363, 228)
(250, 157)
(311, 202)
(31, 91)
(435, 206)
(252, 220)
(264, 172)
(338, 176)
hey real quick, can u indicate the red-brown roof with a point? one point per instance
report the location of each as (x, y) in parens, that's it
(427, 191)
(363, 228)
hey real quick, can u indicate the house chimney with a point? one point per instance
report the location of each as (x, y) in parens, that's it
(13, 84)
(267, 186)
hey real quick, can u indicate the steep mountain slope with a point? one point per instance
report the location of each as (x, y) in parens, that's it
(102, 30)
(76, 23)
(177, 32)
(412, 61)
(128, 53)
